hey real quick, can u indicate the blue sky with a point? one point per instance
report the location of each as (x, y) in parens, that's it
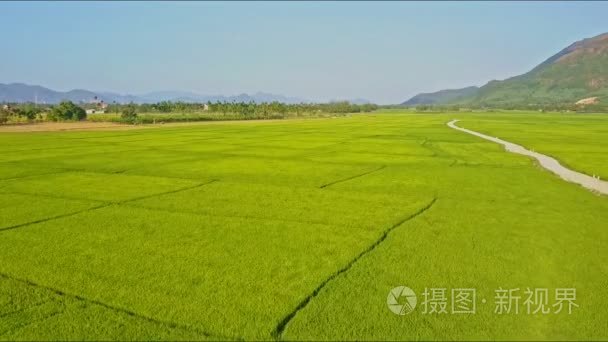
(385, 52)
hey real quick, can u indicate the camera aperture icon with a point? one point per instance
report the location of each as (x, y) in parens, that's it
(401, 300)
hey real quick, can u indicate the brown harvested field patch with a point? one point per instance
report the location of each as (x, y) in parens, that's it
(64, 126)
(112, 126)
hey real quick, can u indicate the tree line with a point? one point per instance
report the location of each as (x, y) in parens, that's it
(28, 112)
(177, 111)
(245, 108)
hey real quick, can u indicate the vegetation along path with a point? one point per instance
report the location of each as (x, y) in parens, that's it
(547, 162)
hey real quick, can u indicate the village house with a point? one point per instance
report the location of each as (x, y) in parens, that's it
(99, 106)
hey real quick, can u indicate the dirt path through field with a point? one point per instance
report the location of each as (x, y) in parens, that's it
(545, 161)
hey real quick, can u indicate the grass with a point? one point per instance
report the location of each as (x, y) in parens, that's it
(296, 229)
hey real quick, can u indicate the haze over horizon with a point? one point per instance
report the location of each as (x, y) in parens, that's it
(383, 52)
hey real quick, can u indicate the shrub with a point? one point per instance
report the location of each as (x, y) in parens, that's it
(28, 111)
(3, 116)
(67, 110)
(129, 113)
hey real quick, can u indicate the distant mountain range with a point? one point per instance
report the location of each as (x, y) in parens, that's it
(19, 92)
(578, 71)
(258, 97)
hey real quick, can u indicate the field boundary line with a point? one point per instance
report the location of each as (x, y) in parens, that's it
(314, 151)
(351, 177)
(54, 217)
(34, 159)
(67, 198)
(124, 172)
(101, 206)
(436, 151)
(280, 328)
(28, 323)
(117, 309)
(166, 192)
(36, 175)
(246, 217)
(35, 305)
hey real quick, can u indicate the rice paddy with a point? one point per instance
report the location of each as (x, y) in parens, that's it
(298, 230)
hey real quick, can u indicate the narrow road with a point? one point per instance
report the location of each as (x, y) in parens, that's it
(545, 161)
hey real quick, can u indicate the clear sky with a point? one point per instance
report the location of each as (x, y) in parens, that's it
(384, 52)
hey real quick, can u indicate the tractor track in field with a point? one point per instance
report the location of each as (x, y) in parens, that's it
(351, 177)
(128, 312)
(549, 163)
(103, 205)
(280, 328)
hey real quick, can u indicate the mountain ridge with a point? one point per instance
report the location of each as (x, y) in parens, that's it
(441, 96)
(578, 71)
(22, 92)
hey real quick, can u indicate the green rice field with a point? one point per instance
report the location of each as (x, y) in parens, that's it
(299, 229)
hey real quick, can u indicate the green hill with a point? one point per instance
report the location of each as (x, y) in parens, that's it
(578, 71)
(442, 96)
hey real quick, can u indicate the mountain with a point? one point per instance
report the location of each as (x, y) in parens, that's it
(441, 97)
(579, 71)
(168, 95)
(194, 97)
(19, 92)
(266, 97)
